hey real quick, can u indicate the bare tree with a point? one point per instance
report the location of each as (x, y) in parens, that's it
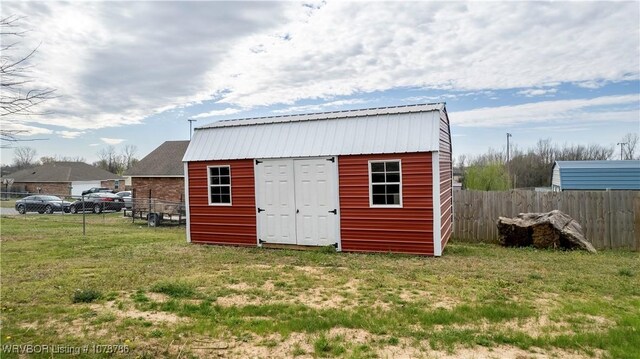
(56, 158)
(630, 141)
(18, 94)
(128, 156)
(109, 160)
(23, 157)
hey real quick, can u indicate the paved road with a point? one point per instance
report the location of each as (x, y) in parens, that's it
(8, 211)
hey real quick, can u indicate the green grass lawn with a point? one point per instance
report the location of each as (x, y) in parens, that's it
(146, 288)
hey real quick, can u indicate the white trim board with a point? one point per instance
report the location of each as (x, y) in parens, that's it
(437, 216)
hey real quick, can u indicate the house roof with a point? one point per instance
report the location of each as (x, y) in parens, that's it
(62, 172)
(400, 129)
(598, 175)
(599, 164)
(166, 160)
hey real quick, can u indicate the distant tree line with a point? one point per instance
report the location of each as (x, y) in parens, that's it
(108, 159)
(533, 167)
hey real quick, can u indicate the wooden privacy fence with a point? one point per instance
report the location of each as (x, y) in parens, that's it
(610, 219)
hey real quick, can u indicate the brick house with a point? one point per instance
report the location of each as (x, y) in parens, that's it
(63, 179)
(160, 174)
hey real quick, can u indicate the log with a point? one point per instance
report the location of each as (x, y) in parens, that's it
(554, 229)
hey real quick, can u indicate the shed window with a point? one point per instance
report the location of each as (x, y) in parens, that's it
(385, 184)
(219, 185)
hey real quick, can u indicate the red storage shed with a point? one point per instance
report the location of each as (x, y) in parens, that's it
(372, 180)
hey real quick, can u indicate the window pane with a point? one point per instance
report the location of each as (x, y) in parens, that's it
(224, 180)
(377, 177)
(377, 167)
(215, 180)
(225, 198)
(379, 199)
(393, 199)
(224, 190)
(215, 190)
(393, 177)
(214, 171)
(215, 198)
(393, 166)
(393, 189)
(224, 171)
(378, 189)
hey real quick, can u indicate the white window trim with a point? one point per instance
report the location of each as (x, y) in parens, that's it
(209, 187)
(371, 205)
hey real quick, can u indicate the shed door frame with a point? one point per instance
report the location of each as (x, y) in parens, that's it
(335, 187)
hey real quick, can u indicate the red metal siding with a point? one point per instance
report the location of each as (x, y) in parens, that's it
(403, 230)
(235, 224)
(446, 176)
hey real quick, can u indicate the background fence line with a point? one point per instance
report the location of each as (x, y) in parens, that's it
(610, 219)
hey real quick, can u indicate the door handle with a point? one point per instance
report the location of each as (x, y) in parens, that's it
(335, 211)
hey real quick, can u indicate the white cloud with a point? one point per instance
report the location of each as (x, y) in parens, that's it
(131, 60)
(94, 144)
(350, 47)
(111, 141)
(69, 134)
(623, 108)
(22, 130)
(115, 63)
(226, 111)
(537, 92)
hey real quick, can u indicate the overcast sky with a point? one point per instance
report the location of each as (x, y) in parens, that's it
(134, 72)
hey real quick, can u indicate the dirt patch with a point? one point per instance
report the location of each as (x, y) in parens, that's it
(241, 287)
(445, 303)
(316, 271)
(238, 300)
(351, 286)
(132, 313)
(157, 297)
(314, 298)
(414, 295)
(508, 352)
(358, 336)
(269, 286)
(271, 346)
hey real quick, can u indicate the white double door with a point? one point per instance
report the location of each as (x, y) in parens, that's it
(297, 201)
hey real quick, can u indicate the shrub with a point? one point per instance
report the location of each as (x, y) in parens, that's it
(174, 289)
(85, 295)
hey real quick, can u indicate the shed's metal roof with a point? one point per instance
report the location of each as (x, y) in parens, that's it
(598, 175)
(400, 129)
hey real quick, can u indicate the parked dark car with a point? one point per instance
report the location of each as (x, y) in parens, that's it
(97, 190)
(98, 202)
(42, 204)
(126, 196)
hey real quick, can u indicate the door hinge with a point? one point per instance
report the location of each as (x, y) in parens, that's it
(260, 210)
(332, 159)
(261, 241)
(335, 211)
(335, 245)
(257, 161)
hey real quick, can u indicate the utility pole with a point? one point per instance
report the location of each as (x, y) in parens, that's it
(191, 121)
(621, 145)
(508, 135)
